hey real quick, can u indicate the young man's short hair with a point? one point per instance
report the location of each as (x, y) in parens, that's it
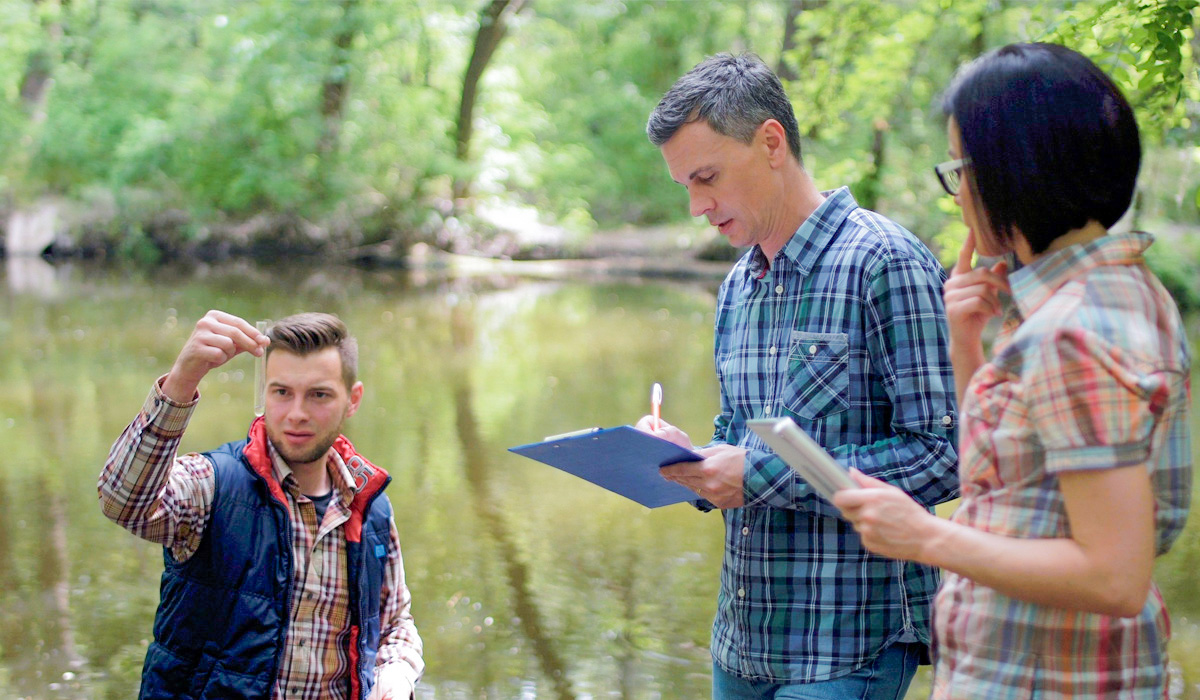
(306, 333)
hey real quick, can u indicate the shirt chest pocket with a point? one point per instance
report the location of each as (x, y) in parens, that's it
(818, 375)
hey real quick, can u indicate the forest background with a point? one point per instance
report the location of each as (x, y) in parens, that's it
(159, 158)
(149, 130)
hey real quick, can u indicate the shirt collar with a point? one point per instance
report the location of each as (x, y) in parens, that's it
(805, 246)
(1033, 284)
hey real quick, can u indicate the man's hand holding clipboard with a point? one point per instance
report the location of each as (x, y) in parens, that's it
(717, 479)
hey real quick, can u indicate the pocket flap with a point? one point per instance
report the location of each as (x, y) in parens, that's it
(818, 374)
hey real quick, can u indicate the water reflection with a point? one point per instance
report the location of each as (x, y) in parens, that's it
(526, 582)
(53, 577)
(30, 274)
(477, 466)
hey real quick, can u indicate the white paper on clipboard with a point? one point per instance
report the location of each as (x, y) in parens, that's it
(803, 455)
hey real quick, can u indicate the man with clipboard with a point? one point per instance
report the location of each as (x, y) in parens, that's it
(834, 318)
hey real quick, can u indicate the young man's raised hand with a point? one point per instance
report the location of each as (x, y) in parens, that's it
(217, 338)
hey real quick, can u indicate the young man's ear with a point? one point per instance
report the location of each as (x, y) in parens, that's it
(356, 394)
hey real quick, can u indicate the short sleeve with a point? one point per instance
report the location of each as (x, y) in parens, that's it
(1091, 405)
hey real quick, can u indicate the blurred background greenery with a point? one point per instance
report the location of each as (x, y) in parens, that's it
(169, 128)
(158, 135)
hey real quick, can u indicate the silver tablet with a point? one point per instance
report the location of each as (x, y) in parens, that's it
(803, 454)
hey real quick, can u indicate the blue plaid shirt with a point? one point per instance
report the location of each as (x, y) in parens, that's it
(845, 332)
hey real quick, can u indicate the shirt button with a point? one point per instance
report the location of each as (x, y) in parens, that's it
(767, 410)
(741, 592)
(772, 350)
(779, 289)
(947, 420)
(745, 531)
(301, 642)
(812, 349)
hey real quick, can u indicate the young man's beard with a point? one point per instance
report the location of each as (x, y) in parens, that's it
(306, 458)
(309, 456)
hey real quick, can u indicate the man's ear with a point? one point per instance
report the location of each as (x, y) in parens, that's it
(356, 394)
(774, 140)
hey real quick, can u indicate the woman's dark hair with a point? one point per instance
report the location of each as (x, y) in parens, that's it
(1052, 141)
(306, 333)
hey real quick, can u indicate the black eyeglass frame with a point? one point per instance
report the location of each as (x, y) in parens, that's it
(950, 174)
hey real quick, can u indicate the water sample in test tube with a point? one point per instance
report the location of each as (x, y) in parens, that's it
(260, 374)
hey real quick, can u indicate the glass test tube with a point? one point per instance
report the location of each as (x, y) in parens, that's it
(260, 375)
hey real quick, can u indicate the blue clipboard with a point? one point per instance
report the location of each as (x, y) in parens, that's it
(623, 460)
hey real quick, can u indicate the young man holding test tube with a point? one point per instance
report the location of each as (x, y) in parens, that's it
(835, 318)
(283, 576)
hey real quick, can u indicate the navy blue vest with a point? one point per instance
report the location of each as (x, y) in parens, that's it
(223, 614)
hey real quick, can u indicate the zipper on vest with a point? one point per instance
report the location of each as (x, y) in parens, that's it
(286, 621)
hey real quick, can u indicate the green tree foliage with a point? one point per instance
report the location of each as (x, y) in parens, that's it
(224, 108)
(578, 128)
(346, 112)
(1147, 48)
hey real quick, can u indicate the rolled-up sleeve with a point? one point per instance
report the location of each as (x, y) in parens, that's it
(145, 489)
(907, 345)
(399, 644)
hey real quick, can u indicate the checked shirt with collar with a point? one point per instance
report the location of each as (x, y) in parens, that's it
(166, 498)
(845, 332)
(1090, 372)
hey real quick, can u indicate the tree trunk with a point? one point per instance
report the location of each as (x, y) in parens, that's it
(869, 190)
(493, 21)
(337, 82)
(784, 70)
(869, 186)
(979, 39)
(39, 67)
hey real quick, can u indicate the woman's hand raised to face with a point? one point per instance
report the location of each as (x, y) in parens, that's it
(972, 295)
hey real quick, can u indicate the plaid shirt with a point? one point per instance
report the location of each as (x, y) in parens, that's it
(1089, 372)
(845, 332)
(164, 499)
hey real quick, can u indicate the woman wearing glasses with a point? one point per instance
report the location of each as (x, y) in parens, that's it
(1075, 460)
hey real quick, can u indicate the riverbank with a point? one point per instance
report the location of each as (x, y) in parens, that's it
(497, 239)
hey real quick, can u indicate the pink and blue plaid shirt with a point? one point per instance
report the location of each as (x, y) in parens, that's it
(1089, 372)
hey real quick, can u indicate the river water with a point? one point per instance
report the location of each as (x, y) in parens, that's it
(526, 582)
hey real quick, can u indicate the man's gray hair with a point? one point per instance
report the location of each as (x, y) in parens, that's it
(733, 94)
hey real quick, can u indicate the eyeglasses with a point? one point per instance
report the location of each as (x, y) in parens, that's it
(950, 174)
